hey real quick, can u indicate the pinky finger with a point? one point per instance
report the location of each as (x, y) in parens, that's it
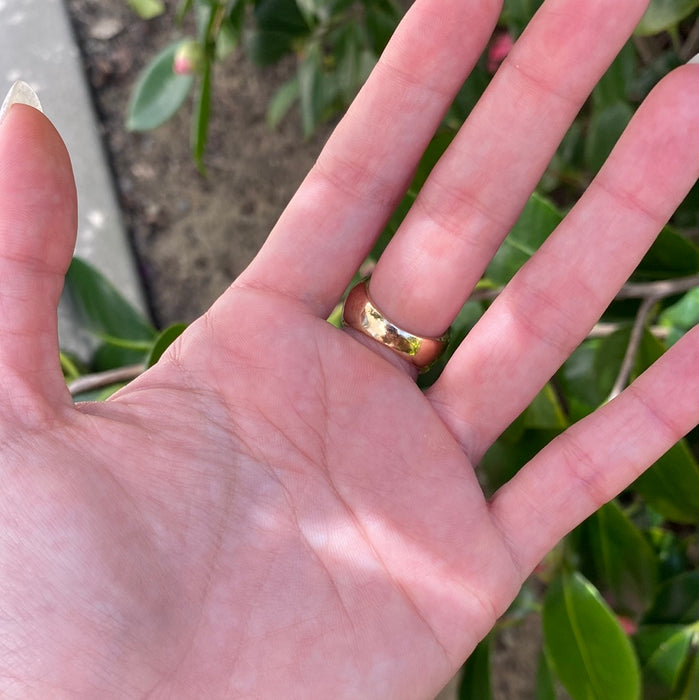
(598, 457)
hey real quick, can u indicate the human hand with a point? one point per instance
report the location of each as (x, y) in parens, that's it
(275, 509)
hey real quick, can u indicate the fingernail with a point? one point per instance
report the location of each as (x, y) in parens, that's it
(20, 93)
(694, 60)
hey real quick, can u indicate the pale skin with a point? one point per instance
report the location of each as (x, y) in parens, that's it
(275, 510)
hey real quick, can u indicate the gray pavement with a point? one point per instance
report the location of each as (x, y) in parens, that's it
(37, 45)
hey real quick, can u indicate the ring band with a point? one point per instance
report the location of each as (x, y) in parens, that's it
(362, 314)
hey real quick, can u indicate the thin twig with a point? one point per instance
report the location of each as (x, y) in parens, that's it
(639, 325)
(99, 380)
(631, 290)
(659, 289)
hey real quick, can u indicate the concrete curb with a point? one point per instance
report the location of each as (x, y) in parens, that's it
(37, 45)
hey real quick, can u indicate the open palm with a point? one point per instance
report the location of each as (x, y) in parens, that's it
(275, 509)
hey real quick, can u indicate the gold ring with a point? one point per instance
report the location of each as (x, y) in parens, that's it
(362, 314)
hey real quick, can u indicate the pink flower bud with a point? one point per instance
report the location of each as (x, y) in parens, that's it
(627, 624)
(188, 58)
(499, 48)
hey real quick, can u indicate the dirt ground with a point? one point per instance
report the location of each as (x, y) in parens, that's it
(193, 235)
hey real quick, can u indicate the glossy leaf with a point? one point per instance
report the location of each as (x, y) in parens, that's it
(671, 255)
(282, 101)
(576, 380)
(102, 309)
(614, 85)
(265, 47)
(665, 14)
(99, 394)
(618, 560)
(508, 455)
(475, 673)
(348, 51)
(163, 342)
(666, 668)
(677, 601)
(517, 13)
(546, 411)
(147, 9)
(671, 485)
(592, 656)
(282, 16)
(381, 22)
(545, 689)
(681, 316)
(112, 356)
(539, 218)
(606, 126)
(159, 92)
(608, 359)
(310, 79)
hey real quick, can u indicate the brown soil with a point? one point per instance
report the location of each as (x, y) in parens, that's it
(192, 235)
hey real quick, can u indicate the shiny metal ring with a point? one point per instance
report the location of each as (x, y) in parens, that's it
(363, 315)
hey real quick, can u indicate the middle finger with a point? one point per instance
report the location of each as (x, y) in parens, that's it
(479, 187)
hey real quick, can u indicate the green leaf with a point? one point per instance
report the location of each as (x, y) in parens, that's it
(546, 411)
(619, 560)
(381, 22)
(266, 47)
(606, 126)
(147, 9)
(681, 316)
(665, 669)
(163, 342)
(509, 453)
(111, 356)
(575, 378)
(281, 16)
(608, 358)
(310, 79)
(347, 51)
(282, 101)
(159, 92)
(539, 218)
(677, 601)
(475, 673)
(690, 686)
(671, 255)
(545, 689)
(517, 13)
(614, 84)
(101, 308)
(662, 15)
(590, 652)
(671, 485)
(99, 394)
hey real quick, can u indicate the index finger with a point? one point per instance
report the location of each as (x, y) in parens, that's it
(366, 166)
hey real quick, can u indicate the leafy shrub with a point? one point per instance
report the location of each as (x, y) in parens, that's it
(619, 597)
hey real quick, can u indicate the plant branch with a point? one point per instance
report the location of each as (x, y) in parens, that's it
(99, 380)
(631, 290)
(627, 363)
(659, 289)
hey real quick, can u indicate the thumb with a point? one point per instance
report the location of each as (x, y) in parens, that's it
(38, 220)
